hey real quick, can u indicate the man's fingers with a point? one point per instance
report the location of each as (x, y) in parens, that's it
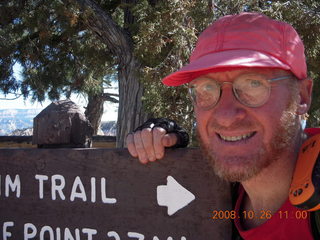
(131, 146)
(158, 134)
(149, 144)
(140, 147)
(147, 140)
(169, 139)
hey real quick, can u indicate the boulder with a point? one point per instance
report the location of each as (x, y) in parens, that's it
(62, 125)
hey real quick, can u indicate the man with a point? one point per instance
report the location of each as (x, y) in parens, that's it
(248, 80)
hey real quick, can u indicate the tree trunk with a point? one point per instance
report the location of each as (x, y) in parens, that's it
(130, 113)
(94, 111)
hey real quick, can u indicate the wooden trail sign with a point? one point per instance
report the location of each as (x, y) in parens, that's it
(101, 194)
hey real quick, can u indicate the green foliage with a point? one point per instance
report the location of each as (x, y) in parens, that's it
(167, 34)
(57, 53)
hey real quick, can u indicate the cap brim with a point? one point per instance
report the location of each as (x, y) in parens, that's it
(220, 60)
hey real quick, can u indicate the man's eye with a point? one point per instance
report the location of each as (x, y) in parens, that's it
(255, 83)
(208, 87)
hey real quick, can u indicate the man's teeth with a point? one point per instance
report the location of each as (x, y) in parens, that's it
(236, 138)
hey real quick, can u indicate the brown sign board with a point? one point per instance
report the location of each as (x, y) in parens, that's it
(101, 194)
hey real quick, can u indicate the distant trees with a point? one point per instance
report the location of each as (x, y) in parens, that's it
(81, 45)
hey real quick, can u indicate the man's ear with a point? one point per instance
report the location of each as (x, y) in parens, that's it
(305, 94)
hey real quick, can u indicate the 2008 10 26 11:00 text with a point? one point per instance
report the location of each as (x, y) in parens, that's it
(263, 214)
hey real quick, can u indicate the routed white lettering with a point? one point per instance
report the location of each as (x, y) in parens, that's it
(139, 236)
(47, 229)
(14, 185)
(169, 238)
(26, 233)
(93, 189)
(90, 232)
(74, 194)
(5, 232)
(68, 235)
(57, 188)
(58, 232)
(113, 234)
(103, 193)
(41, 179)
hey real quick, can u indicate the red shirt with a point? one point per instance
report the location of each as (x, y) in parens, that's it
(312, 131)
(288, 222)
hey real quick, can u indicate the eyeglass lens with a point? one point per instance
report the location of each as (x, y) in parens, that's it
(250, 90)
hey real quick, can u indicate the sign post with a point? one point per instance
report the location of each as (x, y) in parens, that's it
(101, 194)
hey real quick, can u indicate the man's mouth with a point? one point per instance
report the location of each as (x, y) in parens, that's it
(236, 138)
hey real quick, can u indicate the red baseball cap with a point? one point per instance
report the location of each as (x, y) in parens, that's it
(244, 40)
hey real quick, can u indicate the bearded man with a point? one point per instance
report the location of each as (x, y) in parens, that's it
(248, 81)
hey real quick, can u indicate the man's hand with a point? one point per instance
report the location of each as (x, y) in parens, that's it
(149, 144)
(150, 139)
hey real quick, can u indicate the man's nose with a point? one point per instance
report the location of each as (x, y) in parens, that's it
(228, 110)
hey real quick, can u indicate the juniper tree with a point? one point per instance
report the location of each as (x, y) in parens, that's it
(79, 45)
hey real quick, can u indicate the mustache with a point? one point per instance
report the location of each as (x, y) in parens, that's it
(238, 125)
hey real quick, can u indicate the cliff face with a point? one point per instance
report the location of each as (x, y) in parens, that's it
(19, 122)
(109, 128)
(16, 119)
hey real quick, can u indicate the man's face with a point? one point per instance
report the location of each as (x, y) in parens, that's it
(239, 140)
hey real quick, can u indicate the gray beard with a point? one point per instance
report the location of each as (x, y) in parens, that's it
(284, 138)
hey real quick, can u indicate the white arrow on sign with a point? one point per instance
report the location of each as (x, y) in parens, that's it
(173, 196)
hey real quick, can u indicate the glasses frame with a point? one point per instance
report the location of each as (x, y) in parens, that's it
(190, 87)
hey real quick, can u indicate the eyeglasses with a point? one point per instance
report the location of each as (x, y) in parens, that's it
(252, 90)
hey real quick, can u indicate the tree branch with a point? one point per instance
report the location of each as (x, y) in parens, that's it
(14, 98)
(217, 7)
(107, 97)
(99, 22)
(112, 94)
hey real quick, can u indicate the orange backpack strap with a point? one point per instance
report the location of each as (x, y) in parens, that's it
(304, 191)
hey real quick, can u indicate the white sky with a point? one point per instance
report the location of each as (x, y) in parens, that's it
(110, 109)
